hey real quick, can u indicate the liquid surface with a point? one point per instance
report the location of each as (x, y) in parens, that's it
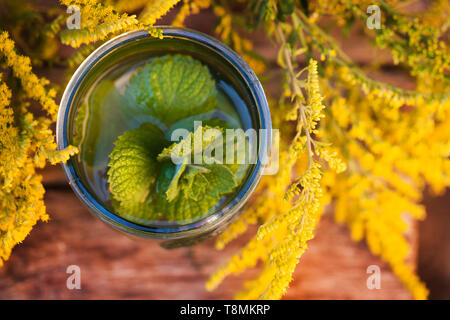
(107, 112)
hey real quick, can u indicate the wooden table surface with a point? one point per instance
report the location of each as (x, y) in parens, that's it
(116, 266)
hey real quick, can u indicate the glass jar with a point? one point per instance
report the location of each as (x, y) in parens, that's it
(134, 49)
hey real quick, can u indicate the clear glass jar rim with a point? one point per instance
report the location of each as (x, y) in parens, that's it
(211, 222)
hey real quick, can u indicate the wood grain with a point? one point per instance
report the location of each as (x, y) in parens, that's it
(114, 265)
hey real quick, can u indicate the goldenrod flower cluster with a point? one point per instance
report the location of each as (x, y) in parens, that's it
(384, 144)
(100, 21)
(289, 221)
(155, 10)
(33, 86)
(26, 143)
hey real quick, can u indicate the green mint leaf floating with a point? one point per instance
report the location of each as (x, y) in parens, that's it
(173, 87)
(198, 190)
(138, 211)
(190, 190)
(145, 182)
(183, 209)
(195, 188)
(169, 177)
(202, 140)
(181, 191)
(212, 180)
(194, 181)
(133, 167)
(185, 149)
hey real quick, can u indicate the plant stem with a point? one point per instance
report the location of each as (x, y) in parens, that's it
(297, 93)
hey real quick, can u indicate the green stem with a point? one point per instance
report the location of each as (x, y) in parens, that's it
(297, 93)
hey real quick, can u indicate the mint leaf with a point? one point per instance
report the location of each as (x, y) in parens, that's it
(133, 167)
(199, 190)
(168, 179)
(189, 190)
(141, 212)
(211, 180)
(173, 87)
(185, 209)
(186, 148)
(181, 191)
(195, 185)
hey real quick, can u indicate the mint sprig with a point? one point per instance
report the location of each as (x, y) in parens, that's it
(145, 182)
(147, 186)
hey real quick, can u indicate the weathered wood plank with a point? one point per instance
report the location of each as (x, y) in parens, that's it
(116, 266)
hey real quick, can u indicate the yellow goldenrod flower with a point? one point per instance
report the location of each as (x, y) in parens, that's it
(26, 144)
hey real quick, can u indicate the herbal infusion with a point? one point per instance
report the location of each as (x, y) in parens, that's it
(125, 131)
